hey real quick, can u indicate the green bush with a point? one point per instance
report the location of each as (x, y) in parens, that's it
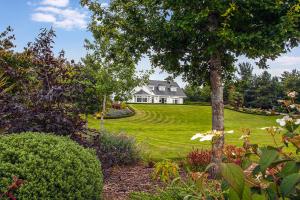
(53, 167)
(165, 171)
(117, 149)
(188, 189)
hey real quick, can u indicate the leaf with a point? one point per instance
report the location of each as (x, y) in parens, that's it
(235, 177)
(246, 193)
(232, 195)
(271, 191)
(267, 158)
(289, 168)
(258, 197)
(288, 183)
(295, 141)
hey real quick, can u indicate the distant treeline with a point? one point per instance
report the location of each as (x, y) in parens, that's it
(250, 90)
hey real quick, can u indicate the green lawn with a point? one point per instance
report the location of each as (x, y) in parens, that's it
(164, 131)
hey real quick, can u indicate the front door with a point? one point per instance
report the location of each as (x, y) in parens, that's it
(162, 100)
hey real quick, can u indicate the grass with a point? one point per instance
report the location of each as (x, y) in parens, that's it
(164, 131)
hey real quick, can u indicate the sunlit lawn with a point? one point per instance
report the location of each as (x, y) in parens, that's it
(164, 131)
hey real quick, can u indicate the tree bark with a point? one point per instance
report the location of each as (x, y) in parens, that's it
(217, 112)
(216, 98)
(103, 113)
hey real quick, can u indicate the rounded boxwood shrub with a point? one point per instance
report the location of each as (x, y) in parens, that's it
(53, 167)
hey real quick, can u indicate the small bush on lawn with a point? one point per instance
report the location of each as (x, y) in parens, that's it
(117, 149)
(52, 167)
(117, 113)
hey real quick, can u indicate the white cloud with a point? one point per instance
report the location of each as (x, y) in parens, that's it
(66, 18)
(57, 3)
(104, 5)
(287, 60)
(41, 17)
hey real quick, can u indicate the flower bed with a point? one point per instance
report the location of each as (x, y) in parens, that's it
(119, 113)
(255, 111)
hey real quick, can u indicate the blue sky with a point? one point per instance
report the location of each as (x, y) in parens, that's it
(69, 20)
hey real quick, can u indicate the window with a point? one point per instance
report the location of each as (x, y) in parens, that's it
(162, 88)
(173, 89)
(141, 99)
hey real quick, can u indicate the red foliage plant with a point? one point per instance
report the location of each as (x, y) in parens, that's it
(17, 183)
(116, 106)
(199, 157)
(234, 154)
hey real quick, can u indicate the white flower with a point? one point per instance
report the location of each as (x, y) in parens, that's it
(292, 94)
(207, 137)
(292, 106)
(281, 122)
(297, 122)
(231, 131)
(258, 177)
(287, 118)
(202, 137)
(243, 137)
(198, 135)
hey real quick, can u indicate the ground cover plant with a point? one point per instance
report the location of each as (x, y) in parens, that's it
(165, 130)
(45, 166)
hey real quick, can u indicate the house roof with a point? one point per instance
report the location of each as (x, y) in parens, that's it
(168, 85)
(141, 92)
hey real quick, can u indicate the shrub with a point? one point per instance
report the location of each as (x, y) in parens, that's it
(116, 113)
(52, 167)
(203, 188)
(116, 149)
(123, 105)
(42, 99)
(234, 154)
(116, 106)
(165, 171)
(199, 159)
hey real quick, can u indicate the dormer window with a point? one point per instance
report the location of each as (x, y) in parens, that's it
(162, 88)
(151, 87)
(173, 89)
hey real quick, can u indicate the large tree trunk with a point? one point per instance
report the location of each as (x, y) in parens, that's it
(103, 113)
(217, 112)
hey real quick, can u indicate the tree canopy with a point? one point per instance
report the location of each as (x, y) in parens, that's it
(199, 40)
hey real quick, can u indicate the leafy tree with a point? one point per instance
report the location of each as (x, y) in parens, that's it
(107, 73)
(197, 93)
(245, 80)
(291, 81)
(267, 91)
(169, 79)
(199, 39)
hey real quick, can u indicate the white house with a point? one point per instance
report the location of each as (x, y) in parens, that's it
(158, 92)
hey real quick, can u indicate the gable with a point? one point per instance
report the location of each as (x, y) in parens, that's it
(140, 92)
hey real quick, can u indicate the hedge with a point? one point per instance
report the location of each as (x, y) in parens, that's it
(52, 167)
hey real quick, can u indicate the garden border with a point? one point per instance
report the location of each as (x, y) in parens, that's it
(124, 116)
(247, 112)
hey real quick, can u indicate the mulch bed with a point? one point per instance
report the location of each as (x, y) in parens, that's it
(121, 181)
